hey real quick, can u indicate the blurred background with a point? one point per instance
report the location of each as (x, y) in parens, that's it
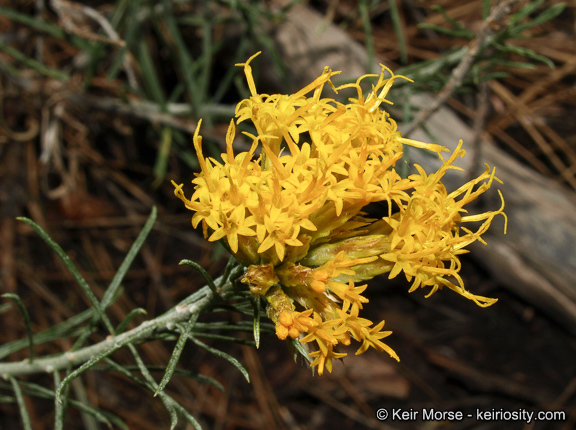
(98, 104)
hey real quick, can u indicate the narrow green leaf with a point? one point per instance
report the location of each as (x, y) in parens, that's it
(222, 355)
(256, 304)
(171, 407)
(58, 406)
(21, 404)
(86, 366)
(34, 64)
(424, 70)
(84, 335)
(525, 11)
(65, 328)
(511, 64)
(32, 389)
(240, 326)
(26, 318)
(202, 272)
(176, 353)
(486, 6)
(226, 82)
(5, 307)
(447, 31)
(121, 9)
(169, 404)
(227, 271)
(122, 326)
(148, 69)
(245, 308)
(72, 269)
(364, 11)
(89, 422)
(448, 18)
(298, 347)
(550, 13)
(162, 156)
(131, 34)
(126, 371)
(223, 338)
(486, 77)
(207, 54)
(182, 57)
(134, 250)
(398, 30)
(43, 26)
(526, 52)
(264, 40)
(187, 416)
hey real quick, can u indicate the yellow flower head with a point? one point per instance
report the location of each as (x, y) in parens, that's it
(293, 213)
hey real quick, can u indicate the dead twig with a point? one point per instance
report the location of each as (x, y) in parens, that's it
(498, 14)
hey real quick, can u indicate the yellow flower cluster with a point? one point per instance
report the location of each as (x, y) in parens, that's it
(290, 209)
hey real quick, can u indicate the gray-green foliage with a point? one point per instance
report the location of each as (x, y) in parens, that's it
(181, 322)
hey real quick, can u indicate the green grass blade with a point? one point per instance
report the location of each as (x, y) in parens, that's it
(207, 53)
(364, 11)
(34, 64)
(183, 58)
(162, 156)
(130, 35)
(43, 26)
(398, 30)
(26, 318)
(150, 76)
(226, 82)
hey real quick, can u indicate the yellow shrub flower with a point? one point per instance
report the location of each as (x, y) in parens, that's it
(293, 214)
